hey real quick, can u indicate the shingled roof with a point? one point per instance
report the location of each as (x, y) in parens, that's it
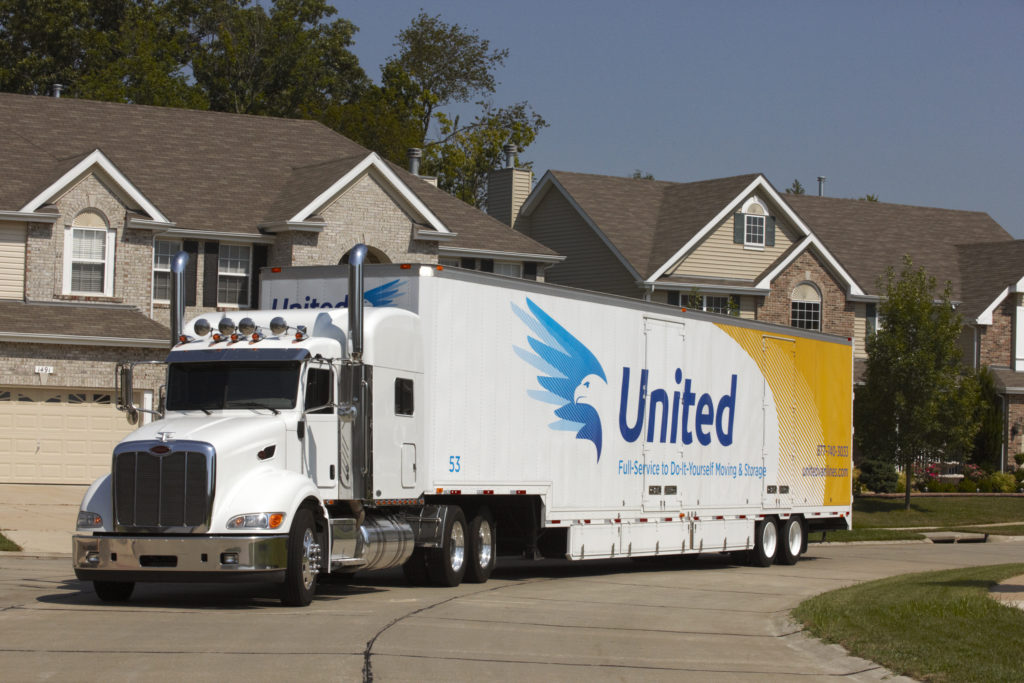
(869, 237)
(211, 171)
(116, 325)
(647, 221)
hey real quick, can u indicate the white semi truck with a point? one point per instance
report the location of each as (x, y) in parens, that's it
(450, 416)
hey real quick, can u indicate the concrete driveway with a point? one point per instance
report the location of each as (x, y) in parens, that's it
(615, 620)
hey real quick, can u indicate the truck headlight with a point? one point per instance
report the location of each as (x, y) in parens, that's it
(257, 520)
(89, 520)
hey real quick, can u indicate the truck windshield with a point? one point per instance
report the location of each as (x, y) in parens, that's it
(219, 386)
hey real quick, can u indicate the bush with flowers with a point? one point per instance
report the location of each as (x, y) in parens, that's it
(973, 472)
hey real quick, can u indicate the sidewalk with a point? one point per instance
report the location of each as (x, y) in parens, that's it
(38, 517)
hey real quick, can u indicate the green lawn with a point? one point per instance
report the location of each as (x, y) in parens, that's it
(937, 512)
(8, 544)
(940, 626)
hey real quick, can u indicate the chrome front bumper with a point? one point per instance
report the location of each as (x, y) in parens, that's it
(180, 558)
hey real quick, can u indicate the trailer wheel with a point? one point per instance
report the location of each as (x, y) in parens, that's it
(482, 546)
(303, 561)
(766, 541)
(792, 541)
(415, 568)
(447, 564)
(113, 591)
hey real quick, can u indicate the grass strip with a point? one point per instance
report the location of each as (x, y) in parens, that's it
(954, 511)
(1004, 530)
(857, 535)
(7, 544)
(938, 626)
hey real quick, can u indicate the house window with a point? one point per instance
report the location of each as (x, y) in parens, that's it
(509, 269)
(234, 265)
(89, 255)
(754, 231)
(806, 307)
(870, 319)
(449, 262)
(163, 252)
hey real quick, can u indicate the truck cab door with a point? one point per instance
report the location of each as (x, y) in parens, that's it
(320, 443)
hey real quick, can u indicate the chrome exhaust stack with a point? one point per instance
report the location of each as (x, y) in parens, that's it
(178, 264)
(356, 258)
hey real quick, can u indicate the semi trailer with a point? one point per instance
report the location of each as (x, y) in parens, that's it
(366, 417)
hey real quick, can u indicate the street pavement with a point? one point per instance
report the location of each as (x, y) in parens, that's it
(705, 619)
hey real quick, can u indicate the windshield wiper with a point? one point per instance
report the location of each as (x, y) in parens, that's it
(252, 404)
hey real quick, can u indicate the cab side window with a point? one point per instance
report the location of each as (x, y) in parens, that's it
(403, 396)
(318, 391)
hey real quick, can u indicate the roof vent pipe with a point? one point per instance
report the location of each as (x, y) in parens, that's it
(178, 264)
(356, 257)
(57, 87)
(414, 154)
(510, 150)
(821, 186)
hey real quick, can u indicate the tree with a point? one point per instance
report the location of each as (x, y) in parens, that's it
(641, 175)
(795, 188)
(988, 443)
(916, 403)
(870, 198)
(447, 62)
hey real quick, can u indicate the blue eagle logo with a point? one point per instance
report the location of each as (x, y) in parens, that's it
(384, 295)
(569, 370)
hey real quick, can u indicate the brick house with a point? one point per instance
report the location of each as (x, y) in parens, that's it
(737, 246)
(95, 199)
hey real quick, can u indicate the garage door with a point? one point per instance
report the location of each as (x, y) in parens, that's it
(57, 436)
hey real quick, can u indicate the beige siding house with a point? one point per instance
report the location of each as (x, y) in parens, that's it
(96, 198)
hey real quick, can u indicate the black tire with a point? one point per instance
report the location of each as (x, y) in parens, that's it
(415, 568)
(807, 532)
(114, 591)
(303, 561)
(766, 543)
(481, 547)
(447, 564)
(791, 541)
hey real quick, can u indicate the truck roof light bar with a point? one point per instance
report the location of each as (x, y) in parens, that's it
(227, 327)
(278, 326)
(201, 327)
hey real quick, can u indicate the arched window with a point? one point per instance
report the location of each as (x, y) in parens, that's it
(89, 255)
(805, 310)
(373, 255)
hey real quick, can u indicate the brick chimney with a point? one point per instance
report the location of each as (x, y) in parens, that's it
(508, 188)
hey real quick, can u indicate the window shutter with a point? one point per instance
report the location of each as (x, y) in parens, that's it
(529, 270)
(211, 255)
(769, 231)
(487, 265)
(191, 247)
(738, 228)
(259, 260)
(468, 263)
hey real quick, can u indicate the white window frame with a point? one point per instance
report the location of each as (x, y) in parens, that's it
(108, 260)
(247, 276)
(805, 308)
(159, 268)
(751, 229)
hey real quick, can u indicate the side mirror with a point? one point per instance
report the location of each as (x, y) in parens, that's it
(125, 392)
(300, 430)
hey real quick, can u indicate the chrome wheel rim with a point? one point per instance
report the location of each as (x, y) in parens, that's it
(458, 547)
(485, 544)
(769, 539)
(795, 539)
(310, 559)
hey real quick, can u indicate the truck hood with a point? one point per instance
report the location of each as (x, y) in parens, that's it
(236, 437)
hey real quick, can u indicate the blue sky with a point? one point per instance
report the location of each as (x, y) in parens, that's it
(917, 102)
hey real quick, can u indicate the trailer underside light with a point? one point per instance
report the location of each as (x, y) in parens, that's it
(487, 492)
(586, 521)
(556, 521)
(642, 519)
(520, 492)
(668, 519)
(719, 517)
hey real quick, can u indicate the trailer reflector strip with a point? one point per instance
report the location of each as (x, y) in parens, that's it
(668, 519)
(643, 519)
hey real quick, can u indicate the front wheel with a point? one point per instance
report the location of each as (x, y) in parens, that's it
(113, 591)
(792, 541)
(481, 545)
(303, 561)
(447, 564)
(766, 542)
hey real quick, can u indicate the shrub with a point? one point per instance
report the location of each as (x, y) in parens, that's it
(858, 488)
(942, 486)
(1019, 459)
(967, 486)
(1002, 482)
(878, 476)
(973, 472)
(1019, 475)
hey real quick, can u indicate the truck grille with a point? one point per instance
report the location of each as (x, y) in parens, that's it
(154, 491)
